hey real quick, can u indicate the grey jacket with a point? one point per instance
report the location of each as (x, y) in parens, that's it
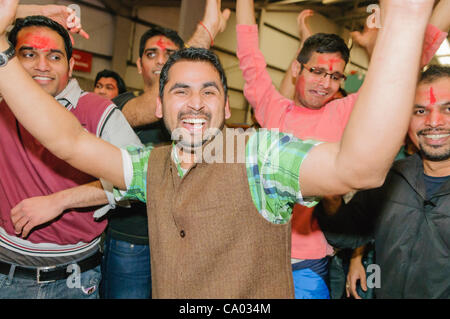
(411, 233)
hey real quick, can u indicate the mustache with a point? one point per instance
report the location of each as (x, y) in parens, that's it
(183, 114)
(431, 131)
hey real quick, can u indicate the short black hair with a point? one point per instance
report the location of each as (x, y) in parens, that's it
(323, 43)
(155, 31)
(192, 54)
(41, 21)
(434, 72)
(111, 74)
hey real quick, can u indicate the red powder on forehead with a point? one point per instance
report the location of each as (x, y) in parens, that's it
(330, 62)
(161, 44)
(432, 97)
(39, 42)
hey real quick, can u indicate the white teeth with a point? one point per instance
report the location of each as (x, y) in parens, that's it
(436, 137)
(194, 121)
(157, 72)
(42, 78)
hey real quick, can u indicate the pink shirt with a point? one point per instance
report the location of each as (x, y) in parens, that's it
(272, 110)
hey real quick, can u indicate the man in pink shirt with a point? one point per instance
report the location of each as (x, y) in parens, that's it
(319, 72)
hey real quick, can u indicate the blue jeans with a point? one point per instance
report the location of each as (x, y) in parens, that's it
(125, 270)
(310, 279)
(19, 288)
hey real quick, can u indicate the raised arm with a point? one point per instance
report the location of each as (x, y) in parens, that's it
(214, 21)
(59, 131)
(63, 15)
(287, 86)
(140, 111)
(380, 118)
(268, 103)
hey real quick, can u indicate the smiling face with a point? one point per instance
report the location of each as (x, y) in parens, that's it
(42, 53)
(314, 91)
(430, 124)
(107, 87)
(157, 50)
(193, 102)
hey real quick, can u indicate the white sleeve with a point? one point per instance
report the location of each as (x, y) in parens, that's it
(118, 132)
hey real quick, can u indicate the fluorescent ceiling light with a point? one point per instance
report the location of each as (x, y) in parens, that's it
(444, 60)
(444, 49)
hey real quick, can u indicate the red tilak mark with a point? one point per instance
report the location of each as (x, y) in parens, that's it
(39, 42)
(432, 97)
(330, 62)
(161, 44)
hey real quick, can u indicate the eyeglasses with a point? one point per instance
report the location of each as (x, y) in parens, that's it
(336, 76)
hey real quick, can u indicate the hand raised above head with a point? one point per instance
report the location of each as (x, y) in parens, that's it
(215, 19)
(7, 13)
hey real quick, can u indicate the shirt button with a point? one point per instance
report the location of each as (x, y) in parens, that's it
(182, 233)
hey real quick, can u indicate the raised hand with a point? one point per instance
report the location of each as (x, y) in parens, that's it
(66, 17)
(304, 30)
(63, 15)
(366, 39)
(7, 13)
(215, 19)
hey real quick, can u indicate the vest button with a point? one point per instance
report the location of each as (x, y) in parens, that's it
(182, 234)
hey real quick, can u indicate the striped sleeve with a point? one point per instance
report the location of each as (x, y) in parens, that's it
(273, 162)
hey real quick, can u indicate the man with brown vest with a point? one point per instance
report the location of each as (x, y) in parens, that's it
(219, 218)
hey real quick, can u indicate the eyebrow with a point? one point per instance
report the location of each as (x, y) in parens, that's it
(178, 86)
(24, 48)
(154, 49)
(418, 106)
(185, 86)
(208, 84)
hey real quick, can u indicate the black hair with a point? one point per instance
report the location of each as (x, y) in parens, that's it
(168, 33)
(323, 43)
(111, 74)
(41, 21)
(192, 54)
(434, 72)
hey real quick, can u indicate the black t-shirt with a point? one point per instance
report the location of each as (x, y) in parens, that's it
(130, 224)
(433, 184)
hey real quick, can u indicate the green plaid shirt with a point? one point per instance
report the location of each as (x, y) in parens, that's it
(273, 161)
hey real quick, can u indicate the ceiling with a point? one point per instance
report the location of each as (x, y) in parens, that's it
(350, 13)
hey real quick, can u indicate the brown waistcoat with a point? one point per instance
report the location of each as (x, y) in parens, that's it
(207, 240)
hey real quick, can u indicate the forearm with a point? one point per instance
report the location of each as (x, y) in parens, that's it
(245, 12)
(396, 57)
(201, 38)
(441, 15)
(140, 111)
(287, 85)
(87, 195)
(25, 10)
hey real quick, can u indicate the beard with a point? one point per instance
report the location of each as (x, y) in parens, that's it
(435, 153)
(431, 153)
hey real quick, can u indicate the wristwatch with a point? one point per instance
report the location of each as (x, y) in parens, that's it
(7, 55)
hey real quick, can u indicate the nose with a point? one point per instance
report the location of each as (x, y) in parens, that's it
(195, 102)
(101, 91)
(161, 59)
(325, 81)
(42, 64)
(435, 118)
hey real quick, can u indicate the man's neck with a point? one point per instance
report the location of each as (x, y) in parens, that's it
(436, 169)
